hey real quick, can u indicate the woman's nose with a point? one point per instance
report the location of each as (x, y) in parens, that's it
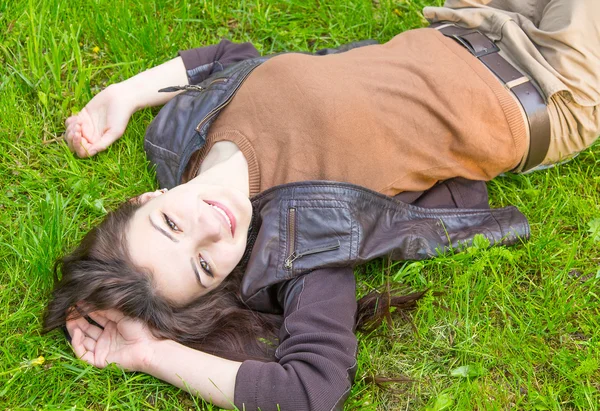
(209, 224)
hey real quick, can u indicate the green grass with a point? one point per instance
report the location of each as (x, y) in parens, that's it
(523, 320)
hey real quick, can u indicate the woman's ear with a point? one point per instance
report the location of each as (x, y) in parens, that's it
(144, 198)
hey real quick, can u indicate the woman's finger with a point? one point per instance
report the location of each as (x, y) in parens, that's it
(77, 343)
(111, 315)
(70, 121)
(78, 346)
(89, 344)
(76, 142)
(88, 329)
(82, 147)
(72, 126)
(99, 318)
(69, 138)
(69, 129)
(87, 125)
(71, 326)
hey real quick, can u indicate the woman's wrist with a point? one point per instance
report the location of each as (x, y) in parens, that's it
(199, 373)
(152, 356)
(126, 95)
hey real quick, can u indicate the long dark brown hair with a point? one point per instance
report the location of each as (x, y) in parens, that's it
(100, 273)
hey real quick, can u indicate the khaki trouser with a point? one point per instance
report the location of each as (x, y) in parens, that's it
(556, 43)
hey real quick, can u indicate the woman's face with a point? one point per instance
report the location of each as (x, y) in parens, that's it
(190, 237)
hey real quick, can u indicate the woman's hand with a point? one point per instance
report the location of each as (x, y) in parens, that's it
(104, 119)
(122, 340)
(101, 122)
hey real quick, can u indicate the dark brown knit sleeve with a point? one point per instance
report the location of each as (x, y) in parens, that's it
(201, 62)
(317, 351)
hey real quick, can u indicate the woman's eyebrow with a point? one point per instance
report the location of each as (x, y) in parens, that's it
(196, 272)
(162, 231)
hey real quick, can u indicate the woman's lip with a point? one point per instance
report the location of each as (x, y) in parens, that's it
(228, 212)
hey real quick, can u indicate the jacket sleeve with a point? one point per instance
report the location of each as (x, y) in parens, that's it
(201, 62)
(317, 351)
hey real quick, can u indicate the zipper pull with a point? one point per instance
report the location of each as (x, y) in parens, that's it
(296, 255)
(179, 88)
(288, 261)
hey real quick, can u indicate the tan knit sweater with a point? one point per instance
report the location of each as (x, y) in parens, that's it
(394, 117)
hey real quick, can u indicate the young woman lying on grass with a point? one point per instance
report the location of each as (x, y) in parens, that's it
(236, 284)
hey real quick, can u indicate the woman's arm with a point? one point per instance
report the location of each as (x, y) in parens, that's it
(201, 374)
(104, 119)
(317, 348)
(316, 355)
(142, 89)
(129, 344)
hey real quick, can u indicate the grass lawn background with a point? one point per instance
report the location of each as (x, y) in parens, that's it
(515, 328)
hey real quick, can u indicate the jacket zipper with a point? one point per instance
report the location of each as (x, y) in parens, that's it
(171, 89)
(223, 104)
(194, 87)
(292, 254)
(299, 254)
(220, 107)
(218, 80)
(291, 247)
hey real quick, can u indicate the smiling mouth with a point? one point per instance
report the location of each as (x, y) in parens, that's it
(227, 215)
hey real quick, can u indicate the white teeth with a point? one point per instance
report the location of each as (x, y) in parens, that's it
(223, 213)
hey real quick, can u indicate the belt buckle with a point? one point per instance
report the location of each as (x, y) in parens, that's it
(483, 51)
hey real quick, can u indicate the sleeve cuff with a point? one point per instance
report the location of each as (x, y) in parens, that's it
(246, 381)
(198, 63)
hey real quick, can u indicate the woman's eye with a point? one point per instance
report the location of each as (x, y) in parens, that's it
(206, 267)
(170, 223)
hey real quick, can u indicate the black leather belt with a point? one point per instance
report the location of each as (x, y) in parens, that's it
(521, 86)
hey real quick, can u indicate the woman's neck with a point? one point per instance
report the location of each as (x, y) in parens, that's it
(225, 165)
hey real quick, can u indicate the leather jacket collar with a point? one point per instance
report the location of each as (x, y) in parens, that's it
(182, 125)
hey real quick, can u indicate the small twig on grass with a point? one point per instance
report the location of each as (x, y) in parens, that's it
(54, 138)
(382, 382)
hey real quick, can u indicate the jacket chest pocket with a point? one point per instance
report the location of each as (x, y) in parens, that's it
(317, 236)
